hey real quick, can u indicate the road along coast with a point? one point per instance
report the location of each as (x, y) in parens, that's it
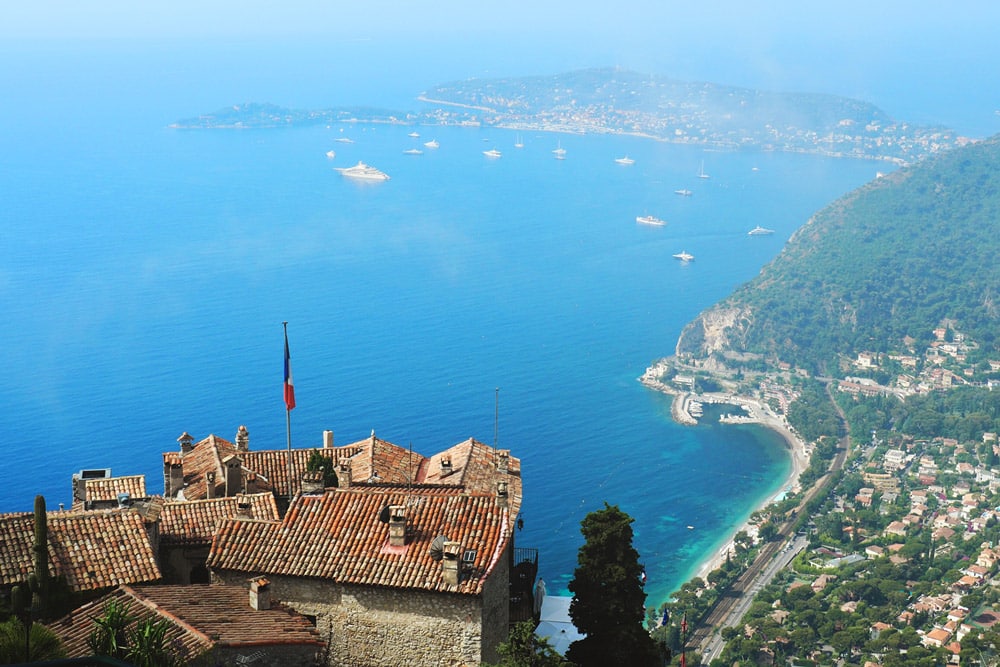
(686, 408)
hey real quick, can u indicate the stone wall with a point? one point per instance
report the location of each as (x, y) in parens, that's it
(368, 626)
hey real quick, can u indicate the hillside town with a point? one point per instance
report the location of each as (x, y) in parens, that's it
(329, 555)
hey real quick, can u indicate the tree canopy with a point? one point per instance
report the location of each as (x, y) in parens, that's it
(608, 603)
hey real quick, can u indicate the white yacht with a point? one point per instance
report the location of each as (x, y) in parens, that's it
(364, 172)
(650, 220)
(683, 193)
(331, 154)
(760, 231)
(413, 151)
(432, 143)
(414, 134)
(684, 256)
(492, 153)
(624, 160)
(344, 140)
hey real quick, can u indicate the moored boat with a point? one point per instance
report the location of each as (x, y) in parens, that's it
(683, 193)
(364, 172)
(650, 220)
(759, 231)
(684, 256)
(624, 160)
(494, 153)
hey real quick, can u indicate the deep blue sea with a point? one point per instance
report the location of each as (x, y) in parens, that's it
(147, 271)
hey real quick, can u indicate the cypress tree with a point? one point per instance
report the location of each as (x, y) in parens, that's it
(608, 600)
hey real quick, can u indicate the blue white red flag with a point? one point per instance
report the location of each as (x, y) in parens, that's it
(289, 386)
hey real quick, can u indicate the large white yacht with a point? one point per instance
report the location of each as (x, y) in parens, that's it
(684, 256)
(650, 220)
(363, 171)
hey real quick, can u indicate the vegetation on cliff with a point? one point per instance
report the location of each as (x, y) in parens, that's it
(876, 271)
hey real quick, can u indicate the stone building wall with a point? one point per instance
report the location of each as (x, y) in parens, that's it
(368, 626)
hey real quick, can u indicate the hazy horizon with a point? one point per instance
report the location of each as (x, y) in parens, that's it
(916, 61)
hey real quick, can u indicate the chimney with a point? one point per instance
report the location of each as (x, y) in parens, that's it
(243, 506)
(187, 442)
(327, 439)
(312, 481)
(210, 485)
(242, 439)
(173, 474)
(503, 460)
(451, 563)
(397, 526)
(251, 482)
(344, 475)
(260, 594)
(502, 494)
(234, 474)
(446, 468)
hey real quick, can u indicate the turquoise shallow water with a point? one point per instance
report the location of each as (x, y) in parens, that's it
(147, 273)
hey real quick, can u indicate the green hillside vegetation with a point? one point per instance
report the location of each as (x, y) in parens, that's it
(875, 271)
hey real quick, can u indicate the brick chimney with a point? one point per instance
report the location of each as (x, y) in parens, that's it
(451, 563)
(244, 509)
(344, 475)
(503, 460)
(260, 594)
(242, 439)
(397, 526)
(233, 468)
(187, 442)
(210, 485)
(173, 474)
(446, 468)
(327, 439)
(312, 481)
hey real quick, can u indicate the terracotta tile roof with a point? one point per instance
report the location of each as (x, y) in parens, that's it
(108, 488)
(195, 521)
(207, 456)
(338, 536)
(92, 550)
(200, 618)
(474, 468)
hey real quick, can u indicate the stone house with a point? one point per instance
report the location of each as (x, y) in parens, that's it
(212, 625)
(430, 562)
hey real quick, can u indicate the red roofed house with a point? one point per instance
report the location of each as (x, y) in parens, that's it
(211, 625)
(91, 550)
(393, 573)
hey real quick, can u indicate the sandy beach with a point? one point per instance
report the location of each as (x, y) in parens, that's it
(756, 413)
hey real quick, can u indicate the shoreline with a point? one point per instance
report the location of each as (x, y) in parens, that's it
(757, 413)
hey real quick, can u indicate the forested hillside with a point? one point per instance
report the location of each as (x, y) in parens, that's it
(888, 261)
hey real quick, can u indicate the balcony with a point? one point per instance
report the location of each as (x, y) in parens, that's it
(523, 571)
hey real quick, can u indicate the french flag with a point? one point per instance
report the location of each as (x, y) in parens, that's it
(289, 387)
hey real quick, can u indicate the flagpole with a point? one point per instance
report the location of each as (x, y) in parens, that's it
(289, 404)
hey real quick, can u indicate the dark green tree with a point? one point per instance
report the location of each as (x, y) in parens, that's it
(525, 649)
(317, 461)
(15, 647)
(608, 603)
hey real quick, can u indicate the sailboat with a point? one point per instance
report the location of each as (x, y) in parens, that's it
(518, 143)
(559, 150)
(701, 171)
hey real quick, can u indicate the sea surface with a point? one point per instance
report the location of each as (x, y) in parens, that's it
(147, 271)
